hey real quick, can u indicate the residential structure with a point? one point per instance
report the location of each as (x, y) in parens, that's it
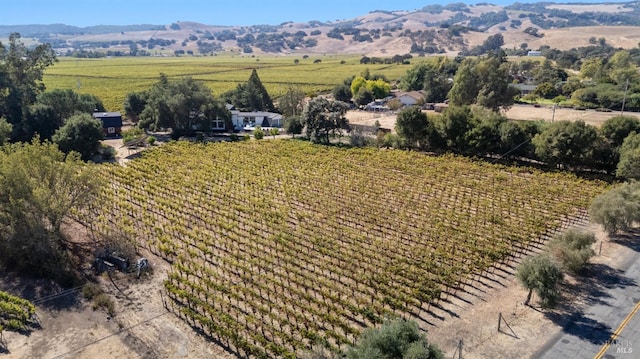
(410, 98)
(249, 120)
(111, 123)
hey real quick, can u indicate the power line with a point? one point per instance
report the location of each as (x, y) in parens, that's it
(110, 335)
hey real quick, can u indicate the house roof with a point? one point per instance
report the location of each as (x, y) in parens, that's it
(106, 114)
(109, 119)
(416, 95)
(272, 115)
(524, 87)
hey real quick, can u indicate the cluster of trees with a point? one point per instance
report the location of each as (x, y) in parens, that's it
(547, 18)
(613, 148)
(40, 187)
(362, 89)
(322, 118)
(568, 251)
(28, 111)
(492, 44)
(250, 96)
(606, 77)
(395, 59)
(184, 105)
(45, 135)
(483, 81)
(432, 77)
(366, 89)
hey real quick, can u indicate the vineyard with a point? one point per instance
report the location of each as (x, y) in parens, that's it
(111, 79)
(15, 313)
(278, 245)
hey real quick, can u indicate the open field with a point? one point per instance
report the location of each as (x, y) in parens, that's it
(516, 112)
(277, 245)
(112, 78)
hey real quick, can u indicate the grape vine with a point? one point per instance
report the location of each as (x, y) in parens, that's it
(278, 245)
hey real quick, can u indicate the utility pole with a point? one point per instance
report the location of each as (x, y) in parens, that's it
(553, 114)
(624, 99)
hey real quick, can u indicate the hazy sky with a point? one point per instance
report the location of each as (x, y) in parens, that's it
(211, 12)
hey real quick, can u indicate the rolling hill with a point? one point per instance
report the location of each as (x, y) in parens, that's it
(432, 29)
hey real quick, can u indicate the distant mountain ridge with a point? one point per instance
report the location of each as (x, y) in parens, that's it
(62, 29)
(433, 29)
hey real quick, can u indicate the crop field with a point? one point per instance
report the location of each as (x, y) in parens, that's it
(112, 78)
(277, 245)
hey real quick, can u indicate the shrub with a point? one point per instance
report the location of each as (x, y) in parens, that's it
(108, 152)
(617, 209)
(258, 133)
(396, 338)
(572, 249)
(91, 290)
(103, 301)
(131, 134)
(151, 140)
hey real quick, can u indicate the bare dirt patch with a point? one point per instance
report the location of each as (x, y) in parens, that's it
(71, 328)
(546, 113)
(517, 112)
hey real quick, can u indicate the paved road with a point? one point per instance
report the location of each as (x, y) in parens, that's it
(612, 314)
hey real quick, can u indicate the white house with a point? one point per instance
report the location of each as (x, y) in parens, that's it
(249, 120)
(410, 98)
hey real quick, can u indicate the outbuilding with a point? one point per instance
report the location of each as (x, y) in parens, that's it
(111, 123)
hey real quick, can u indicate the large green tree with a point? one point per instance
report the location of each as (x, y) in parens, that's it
(618, 209)
(322, 118)
(412, 125)
(541, 274)
(183, 105)
(454, 126)
(395, 339)
(617, 128)
(432, 77)
(53, 108)
(466, 84)
(251, 96)
(40, 187)
(566, 143)
(484, 82)
(292, 102)
(21, 71)
(629, 164)
(81, 133)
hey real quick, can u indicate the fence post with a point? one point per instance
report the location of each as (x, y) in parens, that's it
(164, 304)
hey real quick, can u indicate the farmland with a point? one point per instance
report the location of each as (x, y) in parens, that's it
(276, 245)
(110, 79)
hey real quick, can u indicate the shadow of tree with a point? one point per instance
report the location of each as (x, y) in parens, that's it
(581, 326)
(592, 285)
(41, 292)
(594, 282)
(629, 239)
